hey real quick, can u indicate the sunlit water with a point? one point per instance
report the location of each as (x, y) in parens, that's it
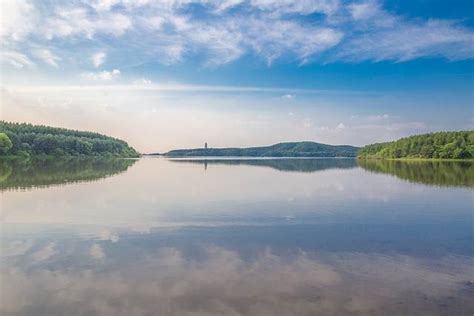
(236, 237)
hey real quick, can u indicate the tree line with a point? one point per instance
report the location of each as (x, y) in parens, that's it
(23, 139)
(440, 145)
(291, 149)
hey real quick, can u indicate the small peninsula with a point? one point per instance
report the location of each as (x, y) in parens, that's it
(23, 139)
(290, 149)
(439, 145)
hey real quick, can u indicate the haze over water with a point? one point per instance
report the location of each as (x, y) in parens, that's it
(237, 237)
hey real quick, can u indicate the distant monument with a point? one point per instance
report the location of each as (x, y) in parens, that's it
(205, 162)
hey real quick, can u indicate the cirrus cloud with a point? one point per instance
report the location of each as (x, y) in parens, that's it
(101, 75)
(176, 31)
(48, 57)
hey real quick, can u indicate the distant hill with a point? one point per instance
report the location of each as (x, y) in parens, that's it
(295, 149)
(27, 139)
(441, 145)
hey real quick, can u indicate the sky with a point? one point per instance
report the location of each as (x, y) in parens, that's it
(177, 73)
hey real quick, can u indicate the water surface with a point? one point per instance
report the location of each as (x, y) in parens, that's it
(236, 237)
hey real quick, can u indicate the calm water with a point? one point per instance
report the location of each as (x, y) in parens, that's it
(236, 237)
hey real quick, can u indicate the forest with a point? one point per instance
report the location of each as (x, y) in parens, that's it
(440, 145)
(22, 139)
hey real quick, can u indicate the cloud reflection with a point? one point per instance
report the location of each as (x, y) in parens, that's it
(45, 253)
(96, 252)
(167, 281)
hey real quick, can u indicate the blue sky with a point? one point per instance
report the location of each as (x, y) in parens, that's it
(239, 73)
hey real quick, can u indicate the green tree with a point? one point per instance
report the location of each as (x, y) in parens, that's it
(5, 143)
(444, 145)
(27, 139)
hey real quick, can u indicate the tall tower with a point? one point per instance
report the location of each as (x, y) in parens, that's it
(205, 145)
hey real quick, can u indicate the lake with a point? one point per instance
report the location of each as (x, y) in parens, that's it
(213, 236)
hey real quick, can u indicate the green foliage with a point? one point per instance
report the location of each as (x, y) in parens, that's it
(299, 149)
(441, 145)
(5, 144)
(27, 139)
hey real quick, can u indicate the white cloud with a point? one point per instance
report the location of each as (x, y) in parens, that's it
(77, 22)
(223, 5)
(103, 5)
(106, 5)
(101, 75)
(48, 57)
(363, 10)
(98, 59)
(379, 35)
(168, 32)
(173, 53)
(274, 38)
(16, 18)
(223, 43)
(16, 59)
(340, 126)
(304, 7)
(287, 96)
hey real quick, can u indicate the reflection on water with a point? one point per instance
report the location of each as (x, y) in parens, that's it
(300, 165)
(30, 173)
(98, 279)
(171, 238)
(443, 173)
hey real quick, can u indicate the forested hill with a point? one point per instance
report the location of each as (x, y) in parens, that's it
(441, 145)
(297, 149)
(28, 139)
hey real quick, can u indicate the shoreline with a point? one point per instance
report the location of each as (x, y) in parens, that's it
(13, 157)
(414, 159)
(10, 157)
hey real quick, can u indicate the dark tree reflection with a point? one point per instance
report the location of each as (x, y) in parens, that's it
(31, 173)
(441, 173)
